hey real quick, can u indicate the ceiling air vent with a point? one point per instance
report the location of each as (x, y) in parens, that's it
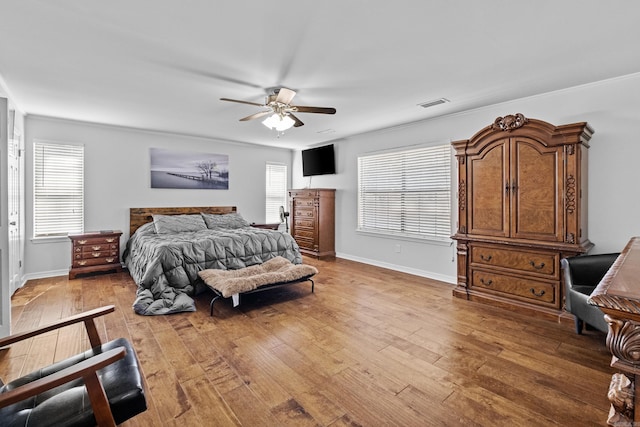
(433, 103)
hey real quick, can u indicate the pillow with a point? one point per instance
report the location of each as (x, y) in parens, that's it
(178, 223)
(230, 220)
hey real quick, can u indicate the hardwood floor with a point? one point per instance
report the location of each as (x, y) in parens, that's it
(370, 347)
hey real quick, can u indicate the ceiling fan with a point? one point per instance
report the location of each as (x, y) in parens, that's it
(280, 111)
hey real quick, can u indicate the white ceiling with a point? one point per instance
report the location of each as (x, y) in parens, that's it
(163, 64)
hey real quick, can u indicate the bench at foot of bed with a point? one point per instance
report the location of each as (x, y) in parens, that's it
(271, 274)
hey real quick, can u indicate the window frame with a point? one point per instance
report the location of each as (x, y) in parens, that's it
(69, 222)
(271, 217)
(390, 182)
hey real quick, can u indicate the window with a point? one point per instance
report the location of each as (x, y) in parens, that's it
(58, 189)
(276, 190)
(406, 193)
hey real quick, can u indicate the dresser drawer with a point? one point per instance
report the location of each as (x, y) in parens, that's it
(305, 234)
(305, 214)
(298, 202)
(536, 291)
(305, 243)
(305, 222)
(304, 194)
(537, 263)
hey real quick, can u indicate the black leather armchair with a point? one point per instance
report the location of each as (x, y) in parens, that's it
(102, 386)
(581, 276)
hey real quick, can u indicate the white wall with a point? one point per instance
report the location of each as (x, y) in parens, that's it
(611, 107)
(117, 178)
(117, 174)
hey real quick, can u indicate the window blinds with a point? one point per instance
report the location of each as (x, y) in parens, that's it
(406, 193)
(276, 191)
(58, 189)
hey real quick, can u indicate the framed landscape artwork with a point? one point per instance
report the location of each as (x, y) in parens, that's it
(188, 170)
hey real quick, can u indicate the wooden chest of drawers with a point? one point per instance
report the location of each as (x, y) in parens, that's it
(95, 252)
(313, 221)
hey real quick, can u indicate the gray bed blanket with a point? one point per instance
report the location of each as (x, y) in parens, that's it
(165, 266)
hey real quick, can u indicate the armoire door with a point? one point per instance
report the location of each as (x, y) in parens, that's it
(488, 176)
(516, 188)
(535, 190)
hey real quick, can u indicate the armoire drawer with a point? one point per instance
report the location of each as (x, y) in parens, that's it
(543, 264)
(536, 291)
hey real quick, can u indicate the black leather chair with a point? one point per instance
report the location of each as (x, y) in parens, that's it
(102, 386)
(581, 276)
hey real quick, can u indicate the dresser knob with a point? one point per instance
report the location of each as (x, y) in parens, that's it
(109, 259)
(486, 258)
(82, 242)
(111, 240)
(82, 262)
(95, 248)
(487, 283)
(95, 254)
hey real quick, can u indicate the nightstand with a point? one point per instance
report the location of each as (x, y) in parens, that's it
(95, 251)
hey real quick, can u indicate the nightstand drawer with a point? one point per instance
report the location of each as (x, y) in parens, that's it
(95, 247)
(95, 261)
(96, 254)
(90, 241)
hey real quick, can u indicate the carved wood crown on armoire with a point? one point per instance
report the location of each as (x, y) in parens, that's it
(522, 206)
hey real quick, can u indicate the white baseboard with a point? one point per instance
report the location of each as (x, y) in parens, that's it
(45, 274)
(416, 272)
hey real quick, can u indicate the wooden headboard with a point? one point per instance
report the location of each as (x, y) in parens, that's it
(141, 216)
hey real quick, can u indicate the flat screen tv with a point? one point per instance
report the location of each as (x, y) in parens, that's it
(318, 161)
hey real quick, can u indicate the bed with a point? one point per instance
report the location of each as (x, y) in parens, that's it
(167, 248)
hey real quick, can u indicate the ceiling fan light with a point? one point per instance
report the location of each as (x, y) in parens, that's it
(279, 123)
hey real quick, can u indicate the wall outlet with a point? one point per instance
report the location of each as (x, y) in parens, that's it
(397, 249)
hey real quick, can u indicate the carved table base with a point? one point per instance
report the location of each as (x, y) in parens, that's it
(618, 296)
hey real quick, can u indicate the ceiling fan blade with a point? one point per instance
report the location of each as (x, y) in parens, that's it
(242, 102)
(322, 110)
(285, 96)
(256, 115)
(297, 121)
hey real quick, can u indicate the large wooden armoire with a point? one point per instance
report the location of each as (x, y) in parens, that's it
(522, 206)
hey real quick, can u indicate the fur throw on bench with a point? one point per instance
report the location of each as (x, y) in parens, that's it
(274, 271)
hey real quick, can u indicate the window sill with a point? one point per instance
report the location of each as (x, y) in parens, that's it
(397, 236)
(52, 239)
